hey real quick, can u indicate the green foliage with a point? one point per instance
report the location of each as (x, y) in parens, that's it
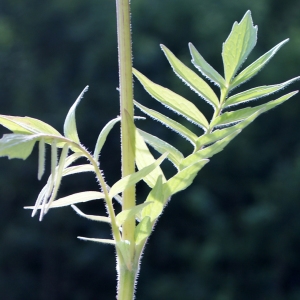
(28, 131)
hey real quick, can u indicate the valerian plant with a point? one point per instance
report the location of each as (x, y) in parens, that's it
(132, 227)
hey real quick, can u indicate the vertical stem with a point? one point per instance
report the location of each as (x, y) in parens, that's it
(126, 275)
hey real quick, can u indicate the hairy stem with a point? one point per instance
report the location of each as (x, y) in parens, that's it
(126, 276)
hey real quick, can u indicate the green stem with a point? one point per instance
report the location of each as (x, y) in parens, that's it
(126, 276)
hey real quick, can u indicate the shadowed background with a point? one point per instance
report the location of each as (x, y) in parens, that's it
(234, 234)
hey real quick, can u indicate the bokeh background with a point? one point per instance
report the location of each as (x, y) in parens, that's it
(234, 234)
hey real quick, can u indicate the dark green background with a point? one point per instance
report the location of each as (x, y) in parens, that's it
(234, 234)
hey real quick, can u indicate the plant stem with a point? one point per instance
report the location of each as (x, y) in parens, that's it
(126, 276)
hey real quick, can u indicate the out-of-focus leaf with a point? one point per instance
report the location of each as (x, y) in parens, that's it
(103, 135)
(208, 151)
(241, 114)
(196, 83)
(205, 68)
(173, 101)
(70, 129)
(177, 127)
(42, 152)
(257, 92)
(102, 241)
(183, 179)
(144, 158)
(256, 66)
(17, 145)
(132, 179)
(175, 156)
(128, 213)
(238, 45)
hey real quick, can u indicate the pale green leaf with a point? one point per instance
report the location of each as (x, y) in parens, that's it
(257, 92)
(57, 179)
(70, 129)
(196, 83)
(156, 197)
(173, 101)
(208, 151)
(183, 179)
(132, 179)
(142, 231)
(238, 45)
(124, 248)
(205, 68)
(26, 125)
(241, 114)
(103, 135)
(219, 134)
(17, 145)
(102, 241)
(129, 213)
(73, 199)
(78, 169)
(144, 158)
(175, 156)
(91, 217)
(256, 66)
(42, 152)
(177, 127)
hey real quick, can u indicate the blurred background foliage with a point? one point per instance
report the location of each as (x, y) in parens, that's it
(234, 234)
